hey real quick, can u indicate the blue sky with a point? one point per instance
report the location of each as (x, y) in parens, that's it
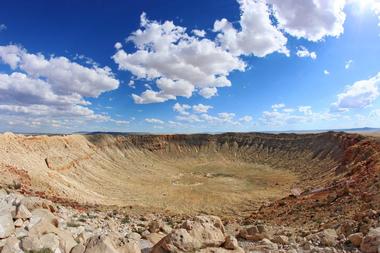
(189, 66)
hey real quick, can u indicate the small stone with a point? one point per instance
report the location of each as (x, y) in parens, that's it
(18, 223)
(262, 228)
(281, 239)
(144, 234)
(231, 243)
(166, 229)
(154, 226)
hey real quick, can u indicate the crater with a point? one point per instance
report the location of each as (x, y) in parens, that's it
(232, 173)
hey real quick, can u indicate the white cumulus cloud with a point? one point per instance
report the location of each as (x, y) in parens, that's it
(178, 62)
(201, 108)
(48, 89)
(199, 33)
(358, 95)
(154, 121)
(304, 52)
(257, 36)
(181, 109)
(310, 19)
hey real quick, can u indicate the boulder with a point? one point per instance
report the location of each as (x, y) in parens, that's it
(154, 237)
(233, 229)
(145, 245)
(328, 237)
(208, 230)
(78, 249)
(31, 243)
(100, 244)
(7, 226)
(32, 203)
(255, 233)
(130, 247)
(22, 212)
(154, 226)
(231, 243)
(40, 214)
(45, 226)
(166, 229)
(50, 241)
(356, 239)
(21, 232)
(12, 245)
(134, 236)
(203, 234)
(371, 242)
(178, 240)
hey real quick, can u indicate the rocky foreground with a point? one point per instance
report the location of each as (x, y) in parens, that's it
(32, 224)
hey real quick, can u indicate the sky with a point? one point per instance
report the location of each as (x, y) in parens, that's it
(189, 66)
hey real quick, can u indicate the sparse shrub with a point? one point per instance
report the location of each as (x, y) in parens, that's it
(82, 218)
(44, 250)
(72, 224)
(126, 219)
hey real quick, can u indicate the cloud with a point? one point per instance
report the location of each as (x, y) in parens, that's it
(278, 106)
(177, 62)
(181, 63)
(50, 88)
(3, 27)
(150, 96)
(304, 52)
(200, 108)
(199, 33)
(65, 77)
(118, 45)
(200, 115)
(131, 84)
(359, 95)
(312, 20)
(246, 119)
(257, 36)
(154, 121)
(181, 109)
(282, 116)
(305, 110)
(184, 108)
(326, 72)
(348, 64)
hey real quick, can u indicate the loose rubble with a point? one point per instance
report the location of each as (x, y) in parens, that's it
(32, 224)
